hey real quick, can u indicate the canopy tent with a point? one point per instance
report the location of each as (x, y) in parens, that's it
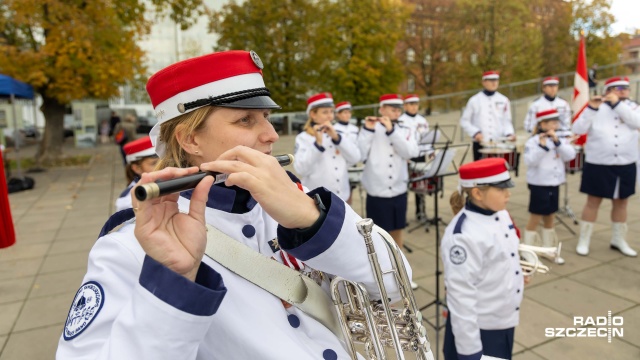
(13, 89)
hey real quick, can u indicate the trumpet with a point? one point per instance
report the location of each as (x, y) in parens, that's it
(531, 263)
(376, 324)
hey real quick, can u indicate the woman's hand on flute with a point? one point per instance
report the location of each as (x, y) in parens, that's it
(269, 185)
(176, 240)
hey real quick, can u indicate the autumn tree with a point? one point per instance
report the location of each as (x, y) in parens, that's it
(559, 47)
(593, 17)
(282, 33)
(77, 49)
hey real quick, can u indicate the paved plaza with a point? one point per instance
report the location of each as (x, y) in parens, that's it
(58, 222)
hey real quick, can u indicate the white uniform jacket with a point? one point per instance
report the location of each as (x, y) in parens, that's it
(546, 103)
(489, 115)
(482, 275)
(147, 311)
(612, 133)
(325, 165)
(385, 154)
(347, 130)
(420, 127)
(545, 164)
(124, 200)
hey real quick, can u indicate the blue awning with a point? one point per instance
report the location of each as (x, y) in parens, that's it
(20, 90)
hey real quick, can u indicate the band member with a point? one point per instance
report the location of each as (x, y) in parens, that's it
(545, 154)
(549, 100)
(420, 128)
(141, 157)
(345, 128)
(322, 154)
(611, 153)
(487, 116)
(386, 145)
(482, 272)
(149, 291)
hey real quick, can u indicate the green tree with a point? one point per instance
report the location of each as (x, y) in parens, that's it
(77, 49)
(362, 41)
(283, 33)
(593, 17)
(558, 45)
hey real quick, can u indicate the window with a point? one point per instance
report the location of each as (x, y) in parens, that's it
(411, 29)
(427, 60)
(411, 55)
(474, 59)
(443, 56)
(411, 83)
(427, 32)
(459, 57)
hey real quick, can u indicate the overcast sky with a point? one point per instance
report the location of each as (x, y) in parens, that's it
(627, 13)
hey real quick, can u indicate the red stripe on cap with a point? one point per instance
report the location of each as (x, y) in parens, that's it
(408, 96)
(344, 103)
(319, 96)
(546, 113)
(390, 97)
(616, 79)
(482, 168)
(181, 76)
(137, 146)
(490, 72)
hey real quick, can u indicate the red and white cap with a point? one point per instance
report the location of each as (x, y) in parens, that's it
(345, 105)
(616, 81)
(228, 79)
(490, 75)
(391, 99)
(411, 98)
(139, 149)
(551, 114)
(491, 171)
(319, 100)
(550, 80)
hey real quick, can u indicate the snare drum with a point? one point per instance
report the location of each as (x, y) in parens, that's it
(507, 152)
(355, 175)
(424, 185)
(577, 163)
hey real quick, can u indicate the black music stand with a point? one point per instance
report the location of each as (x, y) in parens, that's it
(444, 160)
(440, 137)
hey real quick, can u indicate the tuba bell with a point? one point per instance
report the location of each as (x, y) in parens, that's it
(531, 263)
(375, 324)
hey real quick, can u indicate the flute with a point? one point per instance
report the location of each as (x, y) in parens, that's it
(165, 187)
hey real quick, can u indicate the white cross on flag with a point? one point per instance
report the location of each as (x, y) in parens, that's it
(580, 97)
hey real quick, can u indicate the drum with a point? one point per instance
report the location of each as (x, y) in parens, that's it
(506, 151)
(577, 163)
(421, 185)
(355, 175)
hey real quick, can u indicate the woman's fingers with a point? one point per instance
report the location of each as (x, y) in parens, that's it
(199, 199)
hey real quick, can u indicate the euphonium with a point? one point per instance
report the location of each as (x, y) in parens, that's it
(377, 325)
(532, 267)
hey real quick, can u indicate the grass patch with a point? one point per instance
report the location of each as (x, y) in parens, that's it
(77, 160)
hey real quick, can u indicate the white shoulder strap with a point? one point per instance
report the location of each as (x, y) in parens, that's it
(279, 280)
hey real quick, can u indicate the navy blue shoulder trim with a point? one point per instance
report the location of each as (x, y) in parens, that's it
(125, 192)
(458, 228)
(116, 220)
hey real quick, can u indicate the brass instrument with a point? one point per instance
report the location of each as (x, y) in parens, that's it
(377, 325)
(533, 265)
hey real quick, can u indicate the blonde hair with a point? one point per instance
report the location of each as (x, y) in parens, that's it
(192, 122)
(457, 200)
(308, 126)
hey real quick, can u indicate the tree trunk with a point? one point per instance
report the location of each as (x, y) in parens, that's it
(51, 146)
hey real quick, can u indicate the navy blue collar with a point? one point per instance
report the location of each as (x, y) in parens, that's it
(549, 97)
(412, 115)
(343, 123)
(477, 209)
(488, 93)
(228, 199)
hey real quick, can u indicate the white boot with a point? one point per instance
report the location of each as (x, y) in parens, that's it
(530, 238)
(619, 231)
(586, 228)
(550, 239)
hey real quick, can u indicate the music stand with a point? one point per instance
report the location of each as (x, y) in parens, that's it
(437, 136)
(439, 169)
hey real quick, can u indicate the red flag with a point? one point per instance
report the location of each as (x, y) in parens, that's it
(7, 233)
(580, 97)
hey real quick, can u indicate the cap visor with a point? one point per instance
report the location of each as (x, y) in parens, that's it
(503, 184)
(258, 102)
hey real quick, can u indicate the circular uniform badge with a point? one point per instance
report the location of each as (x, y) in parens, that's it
(85, 307)
(458, 255)
(256, 59)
